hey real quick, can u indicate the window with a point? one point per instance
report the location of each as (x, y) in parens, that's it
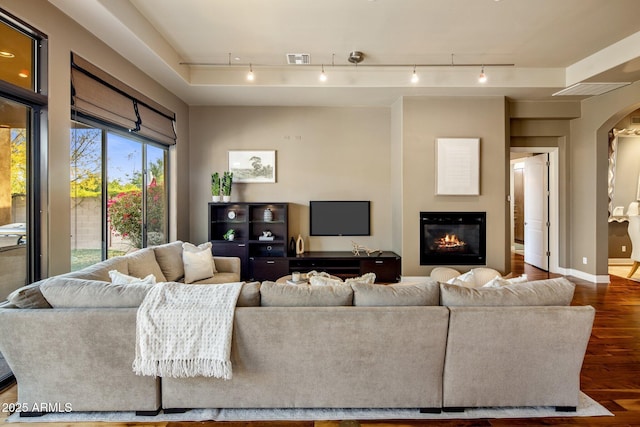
(118, 193)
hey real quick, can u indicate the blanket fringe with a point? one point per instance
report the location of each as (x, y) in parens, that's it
(183, 368)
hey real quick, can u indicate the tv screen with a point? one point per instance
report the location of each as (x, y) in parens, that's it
(339, 218)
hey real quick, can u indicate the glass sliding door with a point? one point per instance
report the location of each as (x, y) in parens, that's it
(86, 196)
(14, 186)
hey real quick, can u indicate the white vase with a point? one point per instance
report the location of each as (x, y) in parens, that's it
(226, 199)
(215, 198)
(299, 245)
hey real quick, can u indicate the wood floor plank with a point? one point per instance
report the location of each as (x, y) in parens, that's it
(610, 372)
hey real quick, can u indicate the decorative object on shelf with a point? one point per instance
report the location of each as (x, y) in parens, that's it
(227, 180)
(292, 246)
(357, 248)
(253, 165)
(229, 235)
(267, 236)
(215, 187)
(231, 214)
(299, 245)
(268, 215)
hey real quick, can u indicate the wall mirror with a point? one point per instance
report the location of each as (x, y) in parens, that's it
(624, 172)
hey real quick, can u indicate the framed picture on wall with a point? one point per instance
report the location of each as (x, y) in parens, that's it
(253, 165)
(458, 166)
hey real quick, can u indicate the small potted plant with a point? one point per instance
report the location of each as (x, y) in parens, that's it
(230, 234)
(215, 187)
(227, 180)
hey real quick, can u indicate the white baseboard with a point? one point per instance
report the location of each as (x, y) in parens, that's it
(620, 261)
(584, 276)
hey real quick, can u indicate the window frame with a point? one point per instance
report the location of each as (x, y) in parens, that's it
(107, 128)
(37, 161)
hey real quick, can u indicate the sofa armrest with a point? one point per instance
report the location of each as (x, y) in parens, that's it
(227, 264)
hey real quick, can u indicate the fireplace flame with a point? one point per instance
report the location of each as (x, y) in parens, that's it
(449, 241)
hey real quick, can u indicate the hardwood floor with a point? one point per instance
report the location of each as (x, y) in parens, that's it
(610, 373)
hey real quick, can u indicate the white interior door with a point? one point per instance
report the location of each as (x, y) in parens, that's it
(536, 211)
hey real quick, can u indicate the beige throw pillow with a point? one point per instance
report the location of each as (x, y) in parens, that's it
(141, 263)
(169, 257)
(198, 262)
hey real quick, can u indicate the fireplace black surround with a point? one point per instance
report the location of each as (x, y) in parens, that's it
(453, 238)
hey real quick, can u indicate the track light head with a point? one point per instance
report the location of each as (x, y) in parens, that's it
(250, 75)
(355, 57)
(482, 78)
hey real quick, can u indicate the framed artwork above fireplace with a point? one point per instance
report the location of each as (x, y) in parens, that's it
(458, 166)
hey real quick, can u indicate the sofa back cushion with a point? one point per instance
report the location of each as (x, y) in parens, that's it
(284, 295)
(399, 294)
(249, 295)
(80, 293)
(100, 271)
(169, 258)
(541, 292)
(143, 262)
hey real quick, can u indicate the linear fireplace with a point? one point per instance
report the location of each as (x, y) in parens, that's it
(453, 238)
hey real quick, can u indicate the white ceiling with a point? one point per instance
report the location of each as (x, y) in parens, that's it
(552, 44)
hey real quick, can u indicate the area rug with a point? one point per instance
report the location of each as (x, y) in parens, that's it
(587, 408)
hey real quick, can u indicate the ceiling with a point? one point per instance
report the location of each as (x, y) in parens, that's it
(552, 44)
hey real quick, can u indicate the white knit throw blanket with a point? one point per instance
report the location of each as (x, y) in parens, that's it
(185, 330)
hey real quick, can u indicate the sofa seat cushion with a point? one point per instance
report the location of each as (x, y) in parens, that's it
(284, 295)
(169, 258)
(217, 279)
(80, 293)
(398, 294)
(143, 262)
(541, 292)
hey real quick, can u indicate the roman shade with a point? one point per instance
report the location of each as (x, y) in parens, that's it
(99, 95)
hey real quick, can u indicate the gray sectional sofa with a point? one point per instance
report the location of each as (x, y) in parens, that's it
(424, 345)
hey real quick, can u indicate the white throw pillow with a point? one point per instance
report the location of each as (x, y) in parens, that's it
(467, 280)
(367, 278)
(118, 278)
(498, 282)
(325, 281)
(198, 262)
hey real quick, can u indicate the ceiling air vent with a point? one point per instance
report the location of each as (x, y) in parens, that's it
(298, 58)
(590, 89)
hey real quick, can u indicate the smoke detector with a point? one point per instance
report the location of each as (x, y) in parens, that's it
(298, 58)
(355, 57)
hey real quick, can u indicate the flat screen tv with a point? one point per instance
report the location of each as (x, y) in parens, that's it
(339, 218)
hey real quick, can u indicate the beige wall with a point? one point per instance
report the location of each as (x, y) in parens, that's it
(424, 120)
(588, 156)
(64, 36)
(321, 154)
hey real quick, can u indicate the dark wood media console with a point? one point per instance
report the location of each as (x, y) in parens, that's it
(386, 265)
